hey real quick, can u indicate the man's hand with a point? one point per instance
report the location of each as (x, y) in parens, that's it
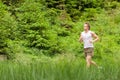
(91, 41)
(80, 40)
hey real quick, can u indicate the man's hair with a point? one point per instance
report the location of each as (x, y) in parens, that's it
(88, 24)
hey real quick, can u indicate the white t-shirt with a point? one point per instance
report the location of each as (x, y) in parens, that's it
(87, 37)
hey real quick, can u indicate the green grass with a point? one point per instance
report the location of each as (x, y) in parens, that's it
(59, 68)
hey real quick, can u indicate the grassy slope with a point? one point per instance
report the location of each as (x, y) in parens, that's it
(106, 26)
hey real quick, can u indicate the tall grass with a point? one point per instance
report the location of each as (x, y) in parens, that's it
(62, 69)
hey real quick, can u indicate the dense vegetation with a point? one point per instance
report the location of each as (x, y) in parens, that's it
(41, 38)
(49, 27)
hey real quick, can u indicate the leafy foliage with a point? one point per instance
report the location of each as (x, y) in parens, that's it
(53, 26)
(7, 28)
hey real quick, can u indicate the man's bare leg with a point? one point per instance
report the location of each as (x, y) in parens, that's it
(92, 62)
(88, 60)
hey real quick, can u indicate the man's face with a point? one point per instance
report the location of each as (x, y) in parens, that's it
(86, 27)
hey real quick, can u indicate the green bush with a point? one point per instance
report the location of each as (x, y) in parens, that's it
(54, 26)
(111, 5)
(90, 14)
(117, 19)
(7, 28)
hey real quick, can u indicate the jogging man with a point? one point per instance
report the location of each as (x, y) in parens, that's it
(88, 38)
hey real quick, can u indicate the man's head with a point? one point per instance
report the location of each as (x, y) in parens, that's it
(86, 26)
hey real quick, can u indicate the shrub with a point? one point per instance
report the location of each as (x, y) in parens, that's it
(90, 14)
(7, 28)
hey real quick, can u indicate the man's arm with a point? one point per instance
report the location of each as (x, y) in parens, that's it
(80, 39)
(96, 38)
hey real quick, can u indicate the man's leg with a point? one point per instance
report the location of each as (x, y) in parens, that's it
(92, 62)
(88, 60)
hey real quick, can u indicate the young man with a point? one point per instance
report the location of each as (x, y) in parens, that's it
(87, 38)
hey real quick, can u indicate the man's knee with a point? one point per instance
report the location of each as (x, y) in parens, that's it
(88, 59)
